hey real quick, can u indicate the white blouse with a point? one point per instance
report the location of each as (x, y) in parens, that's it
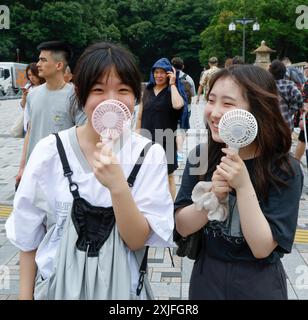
(44, 189)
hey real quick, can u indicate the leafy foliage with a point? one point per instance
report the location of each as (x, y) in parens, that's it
(277, 27)
(151, 29)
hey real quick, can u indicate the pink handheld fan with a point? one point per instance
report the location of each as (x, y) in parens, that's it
(110, 118)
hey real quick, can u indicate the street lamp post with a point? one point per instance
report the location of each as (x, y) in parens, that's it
(244, 21)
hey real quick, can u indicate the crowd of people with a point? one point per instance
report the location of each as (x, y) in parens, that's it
(85, 213)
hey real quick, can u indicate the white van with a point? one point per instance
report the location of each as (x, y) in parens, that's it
(12, 78)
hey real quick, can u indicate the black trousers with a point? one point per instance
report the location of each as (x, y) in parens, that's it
(213, 279)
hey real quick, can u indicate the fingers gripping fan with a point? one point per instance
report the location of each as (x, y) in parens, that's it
(110, 118)
(238, 128)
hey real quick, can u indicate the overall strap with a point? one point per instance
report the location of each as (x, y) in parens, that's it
(66, 168)
(132, 177)
(142, 271)
(131, 180)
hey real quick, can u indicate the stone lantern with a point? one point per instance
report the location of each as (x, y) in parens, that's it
(263, 58)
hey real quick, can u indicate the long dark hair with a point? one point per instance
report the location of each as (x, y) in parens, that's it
(274, 137)
(33, 68)
(99, 59)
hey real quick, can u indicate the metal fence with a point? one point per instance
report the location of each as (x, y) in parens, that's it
(299, 66)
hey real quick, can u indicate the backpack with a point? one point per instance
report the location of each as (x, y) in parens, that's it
(187, 87)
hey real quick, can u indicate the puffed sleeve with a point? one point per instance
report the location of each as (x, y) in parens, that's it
(281, 210)
(153, 198)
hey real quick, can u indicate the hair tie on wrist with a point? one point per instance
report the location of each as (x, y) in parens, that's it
(204, 198)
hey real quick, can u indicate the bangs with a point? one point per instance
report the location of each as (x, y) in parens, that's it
(98, 61)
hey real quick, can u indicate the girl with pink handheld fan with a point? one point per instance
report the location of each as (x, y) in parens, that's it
(257, 178)
(85, 215)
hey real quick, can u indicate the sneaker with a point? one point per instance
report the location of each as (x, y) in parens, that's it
(180, 157)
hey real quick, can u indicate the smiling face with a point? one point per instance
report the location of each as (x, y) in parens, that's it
(226, 95)
(160, 76)
(109, 86)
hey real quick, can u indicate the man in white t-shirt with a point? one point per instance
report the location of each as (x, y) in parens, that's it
(49, 105)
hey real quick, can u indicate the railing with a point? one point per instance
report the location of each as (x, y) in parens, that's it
(299, 66)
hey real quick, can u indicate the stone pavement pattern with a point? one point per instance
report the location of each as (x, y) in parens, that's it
(167, 282)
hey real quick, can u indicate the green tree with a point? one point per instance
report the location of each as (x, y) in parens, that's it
(151, 29)
(277, 21)
(74, 21)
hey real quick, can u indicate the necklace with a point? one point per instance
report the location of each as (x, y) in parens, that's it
(59, 88)
(62, 86)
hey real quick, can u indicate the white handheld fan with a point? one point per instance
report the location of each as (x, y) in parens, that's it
(110, 118)
(238, 128)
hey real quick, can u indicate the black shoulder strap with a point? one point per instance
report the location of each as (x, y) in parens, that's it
(142, 271)
(132, 177)
(66, 168)
(68, 172)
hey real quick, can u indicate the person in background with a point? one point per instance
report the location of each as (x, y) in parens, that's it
(228, 62)
(68, 76)
(49, 104)
(204, 82)
(301, 144)
(160, 111)
(35, 80)
(262, 185)
(201, 74)
(306, 73)
(293, 73)
(237, 60)
(190, 90)
(290, 98)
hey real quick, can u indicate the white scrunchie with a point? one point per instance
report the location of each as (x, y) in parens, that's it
(203, 198)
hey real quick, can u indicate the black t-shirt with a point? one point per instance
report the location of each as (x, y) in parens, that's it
(158, 113)
(225, 241)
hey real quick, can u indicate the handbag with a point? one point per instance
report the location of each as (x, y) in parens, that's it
(189, 246)
(17, 130)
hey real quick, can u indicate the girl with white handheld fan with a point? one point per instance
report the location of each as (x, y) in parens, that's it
(83, 214)
(262, 182)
